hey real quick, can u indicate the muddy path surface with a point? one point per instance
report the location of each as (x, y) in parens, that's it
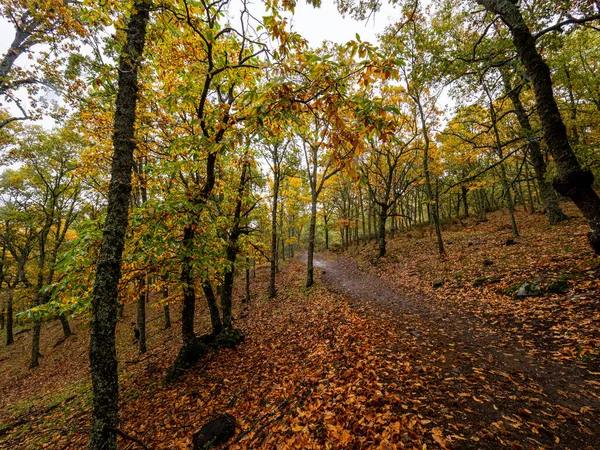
(476, 377)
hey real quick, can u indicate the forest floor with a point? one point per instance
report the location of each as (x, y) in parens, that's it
(372, 356)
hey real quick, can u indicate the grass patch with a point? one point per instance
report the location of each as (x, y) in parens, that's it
(512, 290)
(479, 281)
(50, 400)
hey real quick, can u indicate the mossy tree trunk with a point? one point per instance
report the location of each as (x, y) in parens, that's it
(211, 299)
(548, 194)
(103, 356)
(141, 313)
(10, 338)
(166, 309)
(274, 204)
(232, 249)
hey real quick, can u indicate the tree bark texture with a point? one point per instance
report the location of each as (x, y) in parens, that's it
(227, 289)
(103, 356)
(189, 292)
(273, 262)
(10, 338)
(549, 197)
(248, 293)
(141, 314)
(65, 325)
(311, 242)
(464, 191)
(381, 234)
(211, 299)
(232, 252)
(433, 199)
(167, 310)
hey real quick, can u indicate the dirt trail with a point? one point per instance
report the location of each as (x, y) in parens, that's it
(482, 376)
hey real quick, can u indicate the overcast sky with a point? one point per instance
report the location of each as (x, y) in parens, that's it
(325, 23)
(314, 24)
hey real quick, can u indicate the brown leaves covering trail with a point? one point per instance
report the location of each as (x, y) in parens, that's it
(481, 275)
(454, 367)
(311, 374)
(489, 392)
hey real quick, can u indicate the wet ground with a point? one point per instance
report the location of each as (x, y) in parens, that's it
(482, 379)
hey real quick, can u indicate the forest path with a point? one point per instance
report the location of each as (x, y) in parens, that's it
(481, 376)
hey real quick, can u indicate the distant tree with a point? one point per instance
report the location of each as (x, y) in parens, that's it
(319, 168)
(19, 243)
(277, 154)
(388, 167)
(49, 179)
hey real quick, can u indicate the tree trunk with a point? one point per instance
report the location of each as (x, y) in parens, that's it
(103, 356)
(500, 154)
(572, 180)
(572, 106)
(362, 215)
(10, 338)
(326, 233)
(248, 293)
(40, 297)
(381, 233)
(227, 289)
(211, 300)
(519, 187)
(402, 216)
(281, 236)
(529, 193)
(436, 221)
(347, 230)
(65, 325)
(369, 214)
(548, 194)
(273, 262)
(433, 199)
(509, 200)
(482, 213)
(189, 292)
(393, 224)
(35, 344)
(311, 241)
(141, 314)
(490, 201)
(232, 252)
(2, 274)
(167, 310)
(464, 191)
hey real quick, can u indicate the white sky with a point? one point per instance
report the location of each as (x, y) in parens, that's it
(325, 23)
